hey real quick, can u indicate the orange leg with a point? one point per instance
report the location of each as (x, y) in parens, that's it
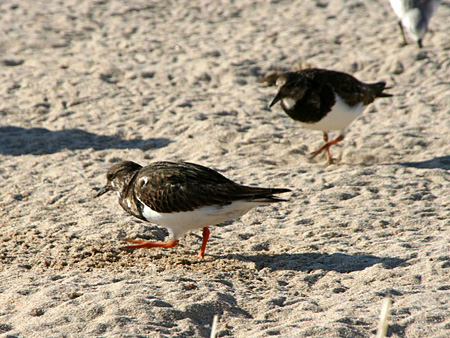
(141, 244)
(201, 253)
(327, 146)
(325, 140)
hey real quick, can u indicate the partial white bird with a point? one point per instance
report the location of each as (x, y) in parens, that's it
(414, 16)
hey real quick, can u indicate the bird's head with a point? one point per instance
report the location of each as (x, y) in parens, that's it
(118, 177)
(291, 86)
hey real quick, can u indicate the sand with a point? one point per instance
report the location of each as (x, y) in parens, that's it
(84, 84)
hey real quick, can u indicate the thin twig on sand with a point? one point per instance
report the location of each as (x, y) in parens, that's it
(384, 316)
(214, 326)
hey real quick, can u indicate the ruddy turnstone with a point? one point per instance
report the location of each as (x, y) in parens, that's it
(414, 15)
(181, 197)
(325, 100)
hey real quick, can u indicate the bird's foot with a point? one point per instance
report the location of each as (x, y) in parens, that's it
(331, 160)
(326, 147)
(315, 153)
(141, 244)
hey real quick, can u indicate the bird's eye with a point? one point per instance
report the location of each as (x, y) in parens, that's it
(110, 176)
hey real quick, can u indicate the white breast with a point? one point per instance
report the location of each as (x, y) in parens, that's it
(338, 118)
(399, 7)
(179, 223)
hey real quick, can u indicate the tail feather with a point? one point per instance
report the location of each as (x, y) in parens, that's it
(269, 199)
(273, 191)
(379, 87)
(263, 194)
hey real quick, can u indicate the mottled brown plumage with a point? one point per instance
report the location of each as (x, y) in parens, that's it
(161, 189)
(313, 90)
(325, 100)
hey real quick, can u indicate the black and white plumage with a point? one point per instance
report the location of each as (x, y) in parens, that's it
(325, 100)
(181, 197)
(414, 16)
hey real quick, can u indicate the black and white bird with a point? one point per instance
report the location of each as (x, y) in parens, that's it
(414, 16)
(181, 197)
(325, 100)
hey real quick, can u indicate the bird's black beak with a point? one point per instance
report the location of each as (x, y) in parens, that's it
(276, 99)
(103, 190)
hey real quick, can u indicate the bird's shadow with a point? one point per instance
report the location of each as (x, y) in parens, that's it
(38, 141)
(308, 262)
(442, 162)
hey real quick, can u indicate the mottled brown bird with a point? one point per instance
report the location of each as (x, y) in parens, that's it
(325, 100)
(181, 197)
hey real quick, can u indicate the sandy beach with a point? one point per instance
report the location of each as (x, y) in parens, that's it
(85, 84)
